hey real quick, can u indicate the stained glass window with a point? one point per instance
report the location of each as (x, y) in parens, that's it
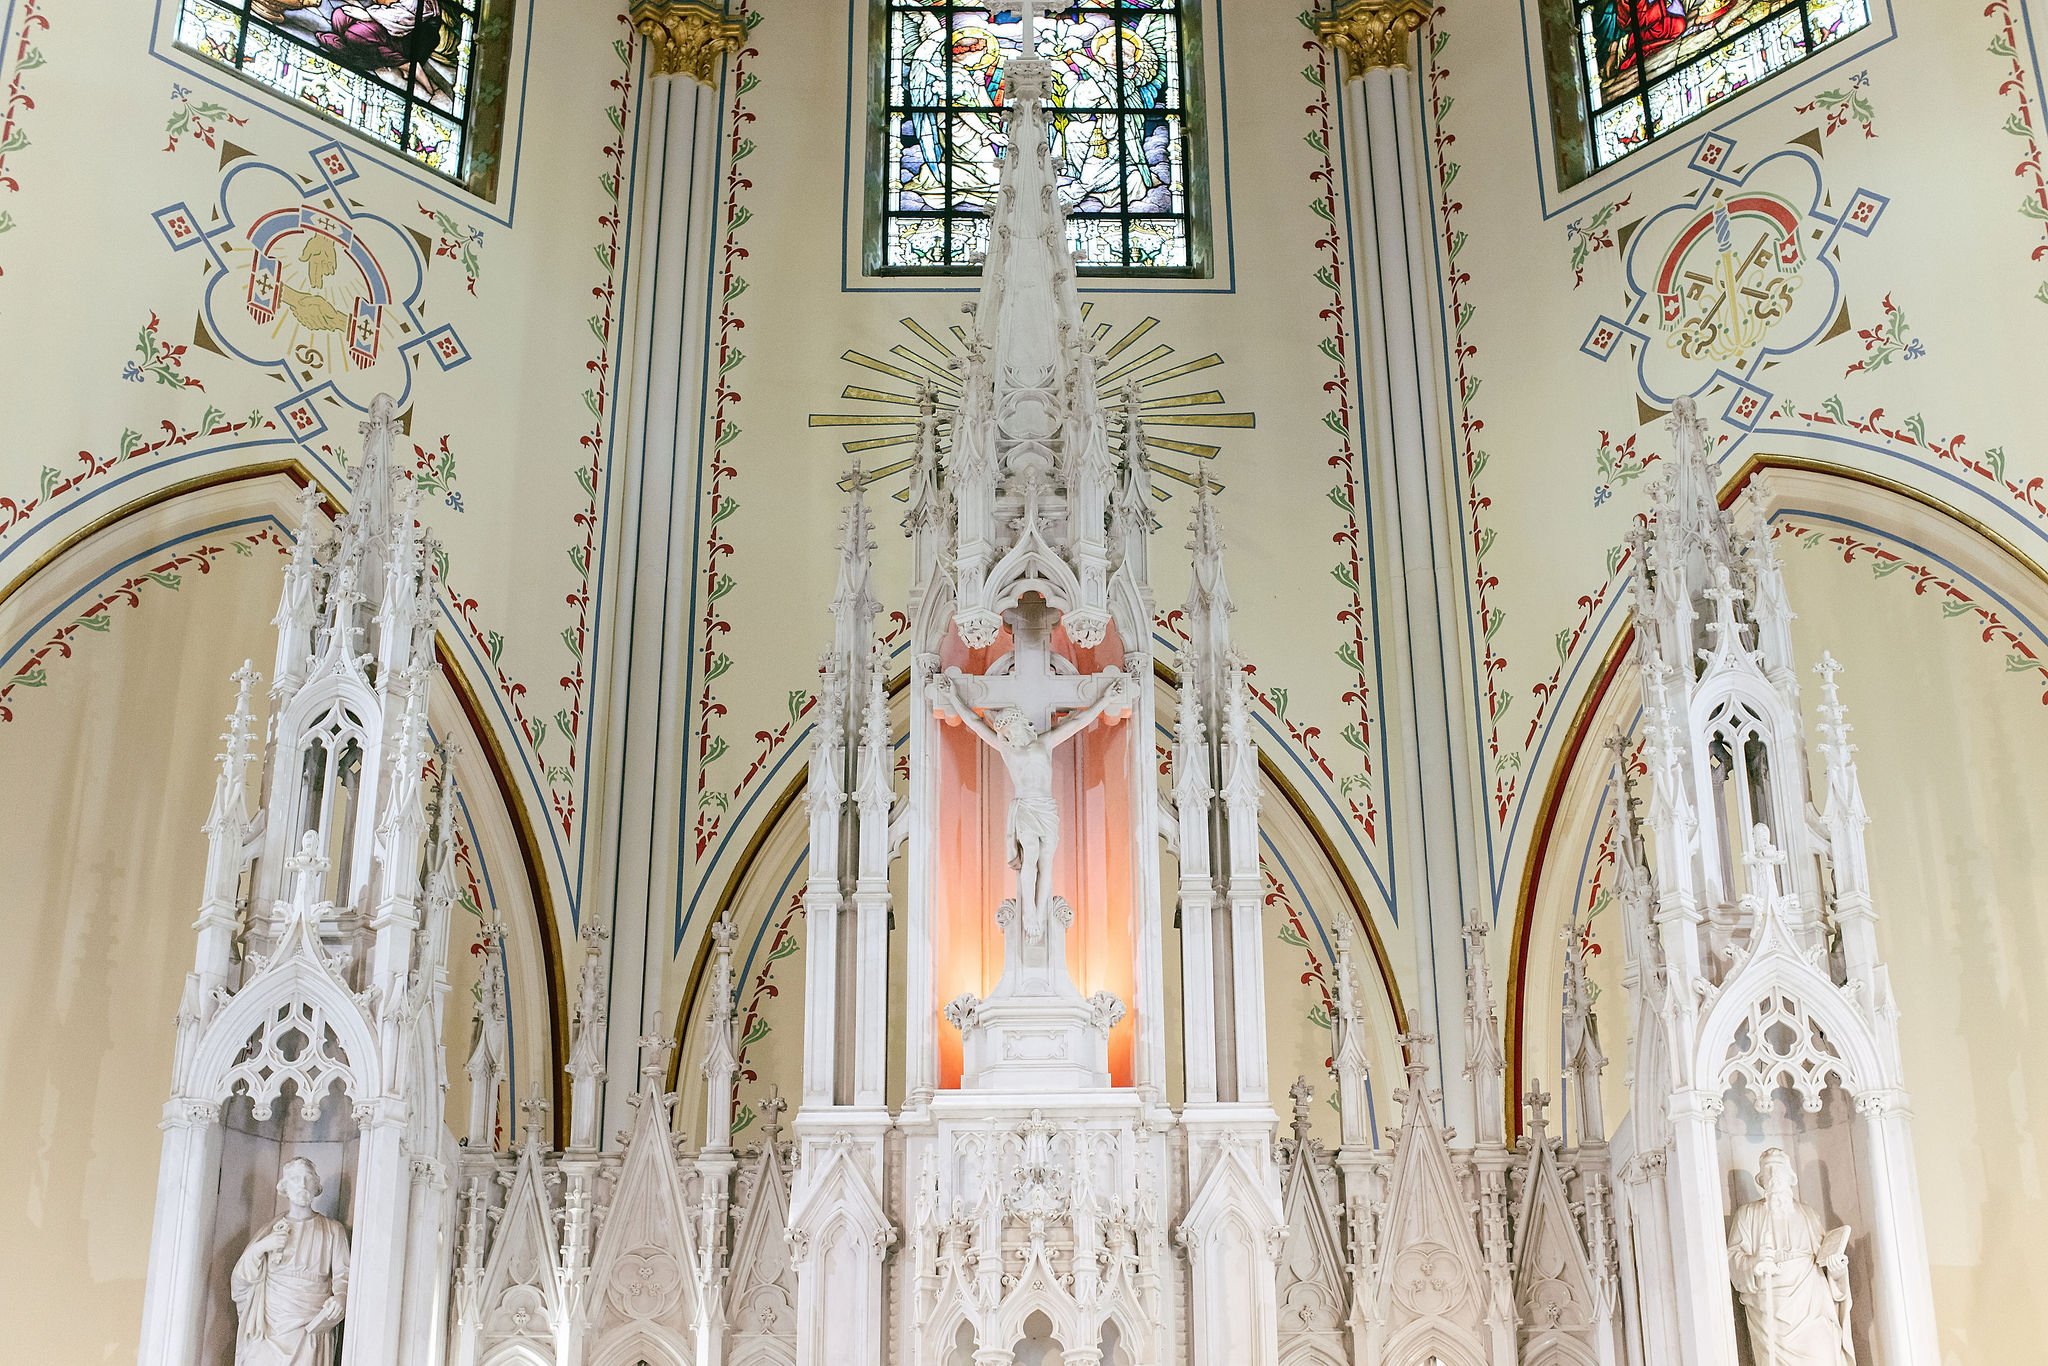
(1651, 65)
(1120, 128)
(403, 73)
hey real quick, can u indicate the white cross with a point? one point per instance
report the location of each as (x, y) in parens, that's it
(1032, 678)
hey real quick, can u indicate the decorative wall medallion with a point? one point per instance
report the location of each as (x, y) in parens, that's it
(1742, 271)
(304, 282)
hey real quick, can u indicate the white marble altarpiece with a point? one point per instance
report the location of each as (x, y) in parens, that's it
(1045, 1190)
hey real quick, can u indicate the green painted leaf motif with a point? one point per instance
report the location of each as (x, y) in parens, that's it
(2017, 664)
(2017, 126)
(715, 751)
(2001, 46)
(1348, 654)
(1834, 409)
(1326, 278)
(1996, 455)
(743, 149)
(36, 677)
(1280, 696)
(2041, 293)
(604, 255)
(745, 1118)
(570, 644)
(1289, 935)
(539, 726)
(725, 507)
(1614, 554)
(1451, 169)
(1486, 539)
(722, 585)
(1951, 607)
(1321, 210)
(1314, 138)
(796, 699)
(1479, 461)
(1494, 618)
(1885, 568)
(494, 645)
(6, 222)
(1563, 641)
(1328, 347)
(712, 801)
(748, 80)
(1319, 1017)
(30, 60)
(1312, 76)
(590, 401)
(1342, 574)
(49, 479)
(1917, 425)
(733, 358)
(1354, 736)
(756, 1032)
(719, 664)
(784, 947)
(99, 621)
(165, 580)
(586, 481)
(1335, 422)
(1341, 498)
(15, 141)
(580, 559)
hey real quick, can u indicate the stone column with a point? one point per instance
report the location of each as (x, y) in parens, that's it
(1699, 1237)
(377, 1243)
(188, 1183)
(1902, 1300)
(1434, 803)
(661, 402)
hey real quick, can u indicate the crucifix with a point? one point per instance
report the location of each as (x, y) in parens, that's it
(1010, 709)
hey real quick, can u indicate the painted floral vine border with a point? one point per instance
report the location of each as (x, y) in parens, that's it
(714, 629)
(1954, 599)
(53, 485)
(27, 57)
(166, 574)
(761, 990)
(2020, 124)
(1356, 789)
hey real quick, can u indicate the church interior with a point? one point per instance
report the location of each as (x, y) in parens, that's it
(1303, 683)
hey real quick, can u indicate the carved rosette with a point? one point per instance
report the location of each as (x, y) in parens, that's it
(689, 36)
(1372, 35)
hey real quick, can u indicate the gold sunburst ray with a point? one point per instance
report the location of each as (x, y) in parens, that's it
(890, 422)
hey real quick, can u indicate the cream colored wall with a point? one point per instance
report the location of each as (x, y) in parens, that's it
(1945, 734)
(107, 764)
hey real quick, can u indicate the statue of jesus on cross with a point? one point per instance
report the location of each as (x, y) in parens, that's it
(1030, 683)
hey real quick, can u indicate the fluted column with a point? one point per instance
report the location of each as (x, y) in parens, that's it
(1432, 792)
(661, 401)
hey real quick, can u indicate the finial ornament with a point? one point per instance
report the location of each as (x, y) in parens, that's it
(1372, 35)
(655, 1046)
(689, 36)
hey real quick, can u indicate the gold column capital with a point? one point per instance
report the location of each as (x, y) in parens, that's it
(689, 36)
(1372, 35)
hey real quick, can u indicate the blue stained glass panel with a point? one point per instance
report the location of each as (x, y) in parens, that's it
(1118, 125)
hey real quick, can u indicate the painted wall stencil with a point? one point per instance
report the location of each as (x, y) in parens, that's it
(1742, 270)
(304, 282)
(1173, 418)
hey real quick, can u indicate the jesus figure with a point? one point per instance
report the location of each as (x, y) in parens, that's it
(1032, 829)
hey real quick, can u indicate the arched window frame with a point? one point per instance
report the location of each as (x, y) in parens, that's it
(1594, 131)
(884, 141)
(240, 36)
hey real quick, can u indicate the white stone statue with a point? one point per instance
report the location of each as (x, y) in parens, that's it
(1032, 829)
(1792, 1276)
(290, 1284)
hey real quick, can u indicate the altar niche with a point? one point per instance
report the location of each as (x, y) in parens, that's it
(1034, 664)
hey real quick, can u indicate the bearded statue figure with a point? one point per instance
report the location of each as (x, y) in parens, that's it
(290, 1284)
(1792, 1277)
